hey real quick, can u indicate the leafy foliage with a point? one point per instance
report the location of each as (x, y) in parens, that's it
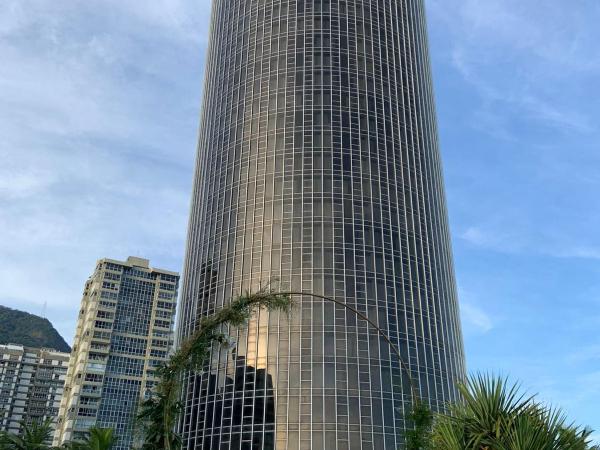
(36, 435)
(419, 437)
(158, 414)
(18, 327)
(97, 439)
(496, 416)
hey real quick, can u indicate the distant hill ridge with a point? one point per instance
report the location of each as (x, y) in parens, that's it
(19, 327)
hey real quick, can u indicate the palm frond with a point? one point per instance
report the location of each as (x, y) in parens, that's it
(495, 415)
(34, 435)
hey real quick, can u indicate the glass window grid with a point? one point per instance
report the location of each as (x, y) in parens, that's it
(142, 300)
(267, 179)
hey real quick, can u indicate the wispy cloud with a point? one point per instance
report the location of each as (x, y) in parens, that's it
(475, 317)
(527, 45)
(522, 240)
(520, 142)
(98, 119)
(494, 239)
(179, 20)
(519, 95)
(585, 354)
(580, 252)
(95, 160)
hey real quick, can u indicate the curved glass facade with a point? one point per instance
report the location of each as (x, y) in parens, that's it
(318, 166)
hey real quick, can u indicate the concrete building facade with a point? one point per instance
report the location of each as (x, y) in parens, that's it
(31, 385)
(124, 332)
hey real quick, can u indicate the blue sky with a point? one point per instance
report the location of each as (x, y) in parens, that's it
(99, 106)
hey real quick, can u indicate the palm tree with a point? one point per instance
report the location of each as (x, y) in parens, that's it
(496, 416)
(97, 439)
(159, 413)
(34, 436)
(4, 441)
(543, 429)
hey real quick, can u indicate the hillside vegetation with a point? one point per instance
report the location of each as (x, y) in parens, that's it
(18, 327)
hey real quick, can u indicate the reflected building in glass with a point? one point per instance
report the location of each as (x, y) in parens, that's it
(318, 166)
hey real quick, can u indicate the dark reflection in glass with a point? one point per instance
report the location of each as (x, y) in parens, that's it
(239, 408)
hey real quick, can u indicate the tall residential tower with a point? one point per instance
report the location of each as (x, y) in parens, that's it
(124, 331)
(31, 385)
(318, 166)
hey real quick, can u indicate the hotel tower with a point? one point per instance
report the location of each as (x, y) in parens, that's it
(318, 170)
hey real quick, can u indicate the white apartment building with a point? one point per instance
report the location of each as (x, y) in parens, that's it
(31, 385)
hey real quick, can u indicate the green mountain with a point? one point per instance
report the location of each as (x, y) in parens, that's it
(18, 327)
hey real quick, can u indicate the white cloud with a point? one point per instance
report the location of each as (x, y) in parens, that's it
(527, 74)
(520, 137)
(501, 30)
(580, 252)
(516, 96)
(520, 240)
(95, 161)
(23, 183)
(477, 236)
(524, 59)
(475, 317)
(493, 238)
(179, 18)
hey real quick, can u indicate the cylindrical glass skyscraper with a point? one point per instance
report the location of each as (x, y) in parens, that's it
(318, 166)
